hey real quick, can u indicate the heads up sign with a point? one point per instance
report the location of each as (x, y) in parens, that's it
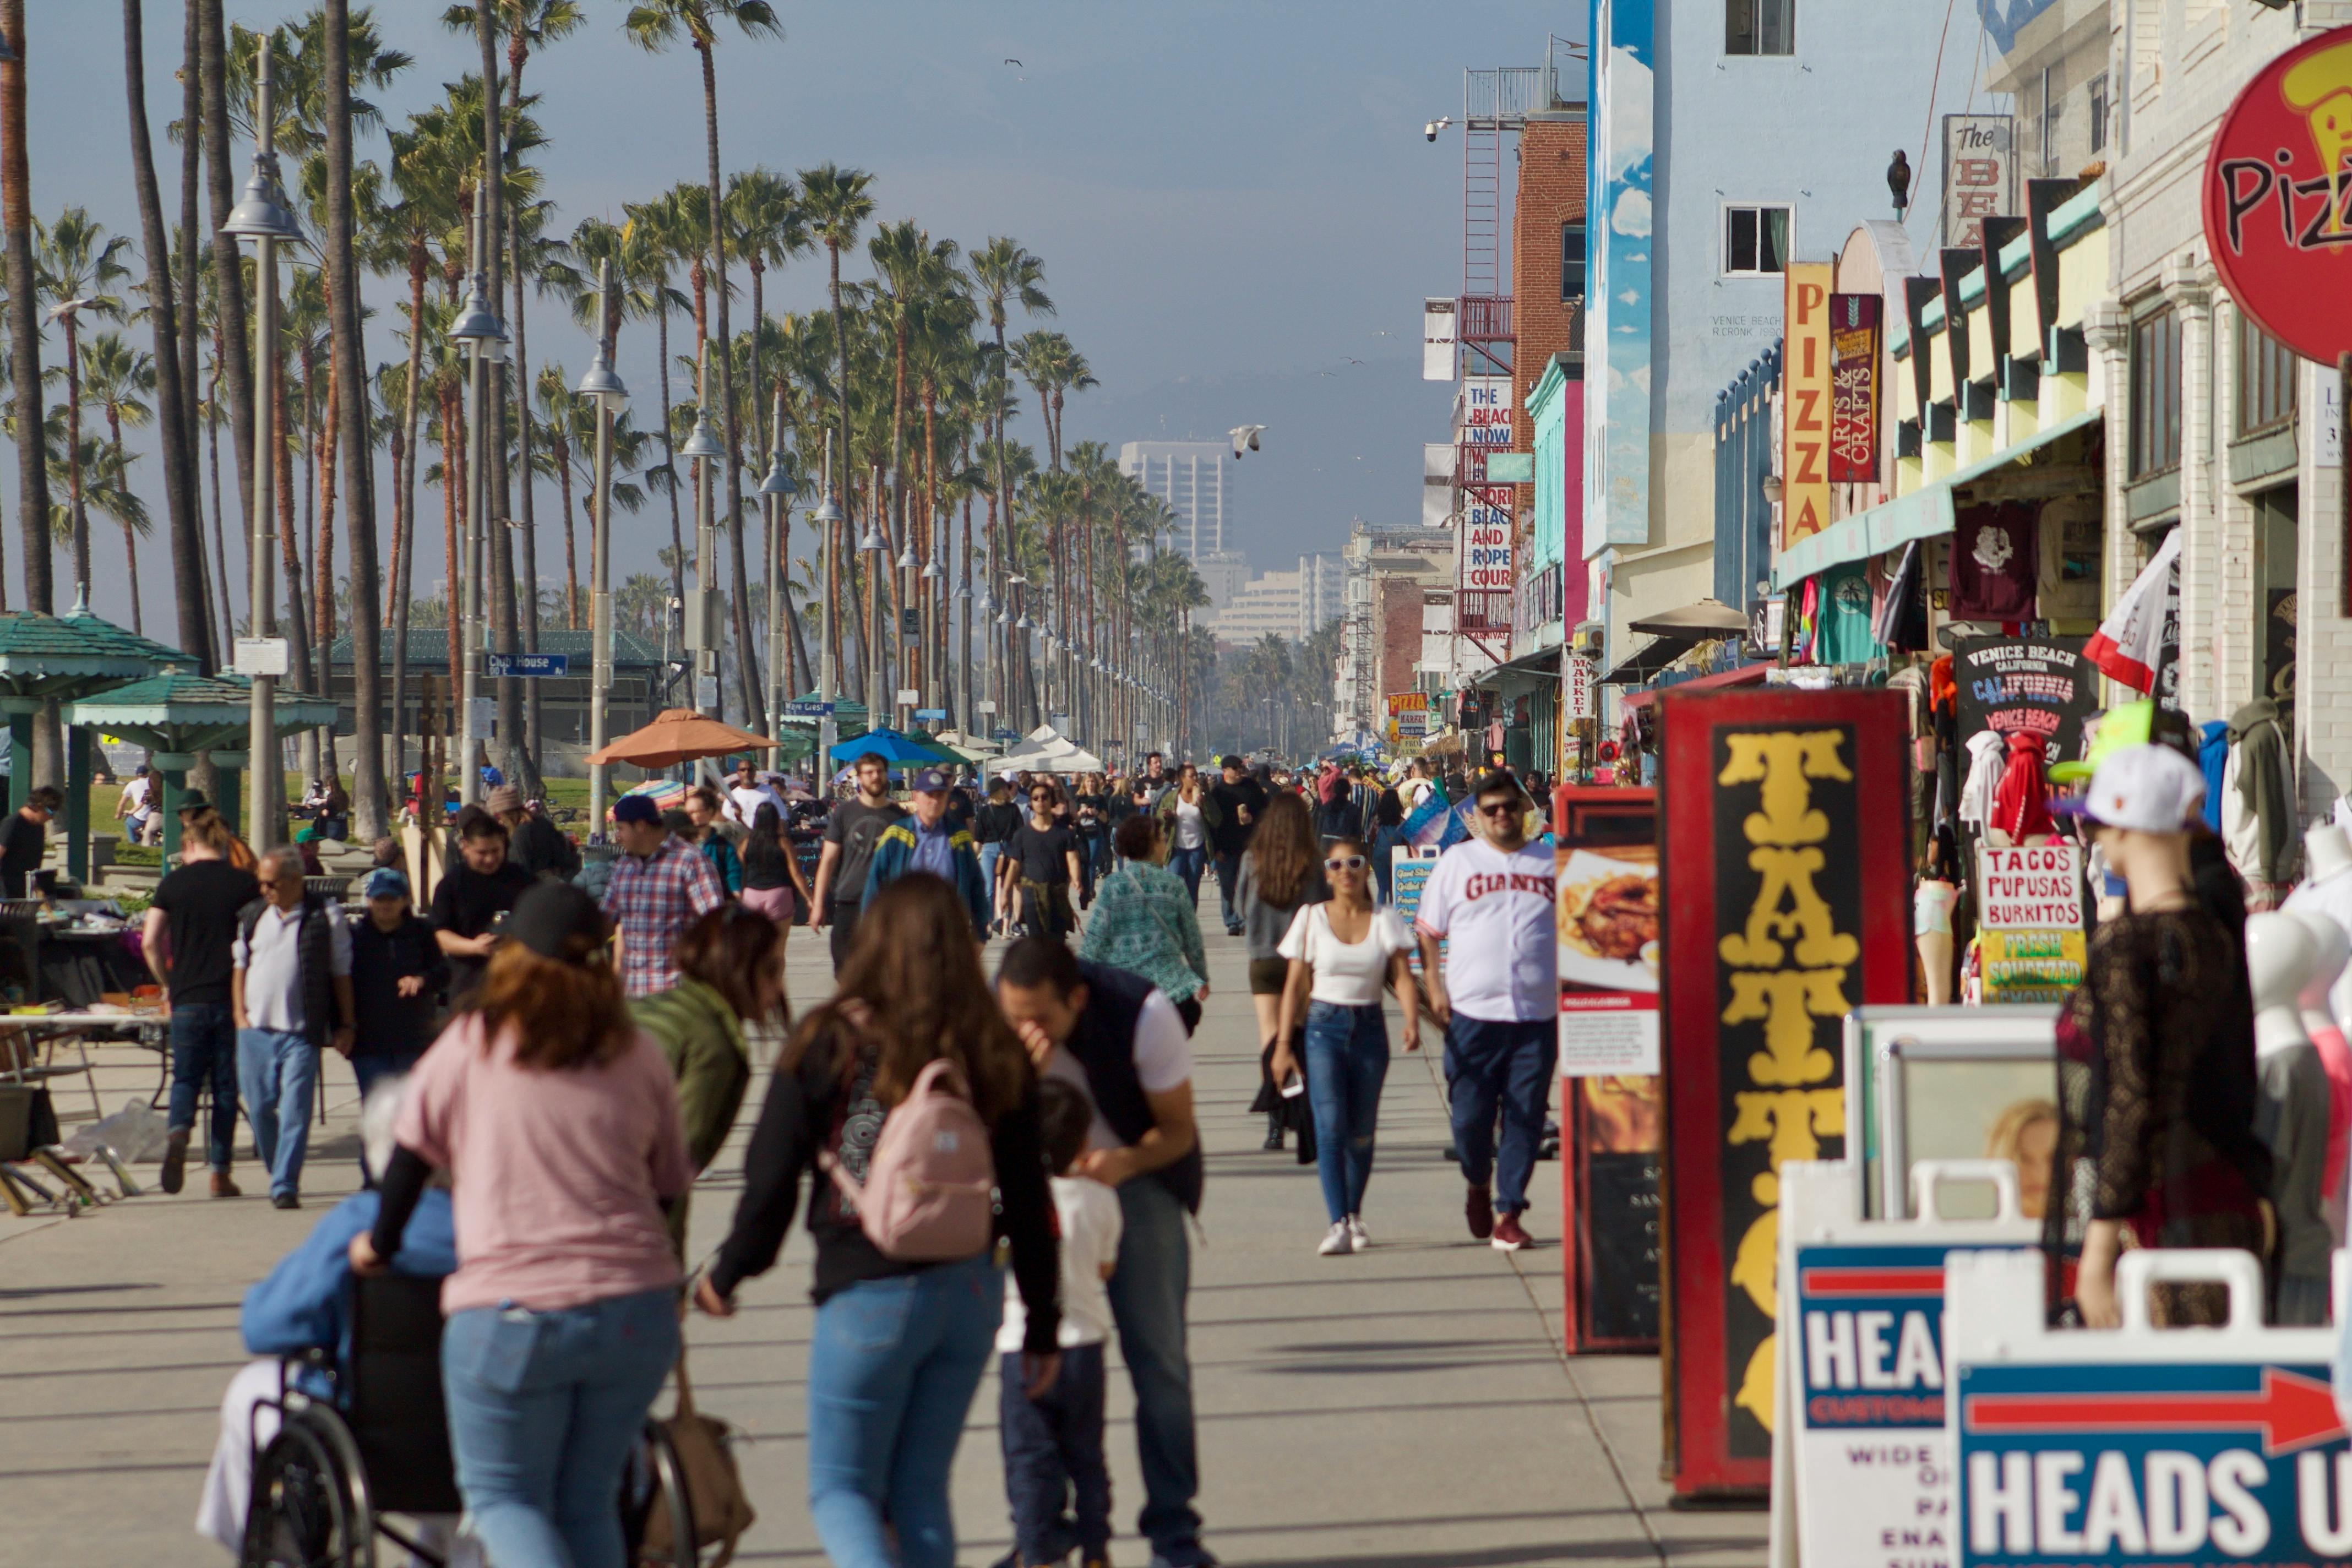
(1784, 900)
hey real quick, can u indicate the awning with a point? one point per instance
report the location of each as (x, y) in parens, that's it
(1646, 663)
(1745, 675)
(1710, 616)
(1527, 670)
(1922, 514)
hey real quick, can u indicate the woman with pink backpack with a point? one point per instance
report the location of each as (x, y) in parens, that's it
(911, 1105)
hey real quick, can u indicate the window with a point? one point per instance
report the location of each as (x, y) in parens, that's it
(1759, 26)
(2266, 378)
(2098, 114)
(2156, 392)
(1755, 241)
(2053, 102)
(1571, 260)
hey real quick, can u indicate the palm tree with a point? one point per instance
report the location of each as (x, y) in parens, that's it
(179, 473)
(78, 265)
(568, 422)
(116, 379)
(651, 232)
(232, 345)
(770, 229)
(838, 203)
(654, 25)
(1004, 273)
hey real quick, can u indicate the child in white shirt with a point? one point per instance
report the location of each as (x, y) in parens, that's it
(1054, 1445)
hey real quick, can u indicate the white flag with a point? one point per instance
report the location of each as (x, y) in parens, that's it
(2130, 641)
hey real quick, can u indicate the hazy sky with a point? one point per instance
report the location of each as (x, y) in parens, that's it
(1229, 196)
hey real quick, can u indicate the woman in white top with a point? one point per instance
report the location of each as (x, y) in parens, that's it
(1188, 813)
(1341, 953)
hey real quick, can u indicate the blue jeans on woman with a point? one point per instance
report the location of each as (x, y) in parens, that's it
(203, 1053)
(1189, 863)
(544, 1411)
(892, 1370)
(1347, 1062)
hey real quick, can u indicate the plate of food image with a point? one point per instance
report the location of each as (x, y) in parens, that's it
(1609, 926)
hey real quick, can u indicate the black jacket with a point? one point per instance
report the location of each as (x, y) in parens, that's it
(1104, 1043)
(315, 950)
(389, 1024)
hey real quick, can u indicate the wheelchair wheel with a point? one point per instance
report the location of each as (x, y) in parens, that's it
(309, 1508)
(656, 1515)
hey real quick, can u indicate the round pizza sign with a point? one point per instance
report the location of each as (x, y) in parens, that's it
(2278, 197)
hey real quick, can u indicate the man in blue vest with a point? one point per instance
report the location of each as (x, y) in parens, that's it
(1117, 1035)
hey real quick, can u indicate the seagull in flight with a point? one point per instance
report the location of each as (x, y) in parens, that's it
(1245, 437)
(1010, 61)
(1327, 373)
(1351, 361)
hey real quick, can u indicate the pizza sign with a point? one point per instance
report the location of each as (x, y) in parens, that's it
(2278, 197)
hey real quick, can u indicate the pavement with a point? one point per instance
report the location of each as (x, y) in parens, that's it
(1407, 1408)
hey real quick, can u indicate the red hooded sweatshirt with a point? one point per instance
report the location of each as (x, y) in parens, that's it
(2021, 804)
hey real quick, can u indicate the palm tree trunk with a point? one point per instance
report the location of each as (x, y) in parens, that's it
(322, 601)
(220, 526)
(79, 517)
(837, 485)
(523, 486)
(747, 653)
(453, 485)
(229, 270)
(190, 173)
(669, 458)
(563, 453)
(179, 478)
(521, 769)
(296, 620)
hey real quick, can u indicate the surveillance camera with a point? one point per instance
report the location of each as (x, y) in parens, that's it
(1429, 132)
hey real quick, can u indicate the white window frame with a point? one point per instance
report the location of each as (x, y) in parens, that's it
(1723, 237)
(1789, 53)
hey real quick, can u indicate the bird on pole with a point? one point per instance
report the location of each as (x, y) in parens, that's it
(1898, 181)
(1245, 437)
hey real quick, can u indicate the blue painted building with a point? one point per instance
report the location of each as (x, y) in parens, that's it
(1729, 137)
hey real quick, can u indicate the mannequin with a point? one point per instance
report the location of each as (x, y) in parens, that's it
(2332, 951)
(2328, 851)
(2292, 1116)
(2155, 1080)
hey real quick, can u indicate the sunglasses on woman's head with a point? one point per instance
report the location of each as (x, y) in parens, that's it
(1344, 863)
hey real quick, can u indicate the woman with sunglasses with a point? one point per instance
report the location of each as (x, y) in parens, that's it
(1341, 953)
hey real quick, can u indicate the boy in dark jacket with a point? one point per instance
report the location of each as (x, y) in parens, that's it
(398, 976)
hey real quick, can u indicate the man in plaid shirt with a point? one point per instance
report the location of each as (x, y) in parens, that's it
(659, 884)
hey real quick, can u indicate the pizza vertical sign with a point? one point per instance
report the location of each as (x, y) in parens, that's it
(2278, 209)
(1805, 392)
(1784, 902)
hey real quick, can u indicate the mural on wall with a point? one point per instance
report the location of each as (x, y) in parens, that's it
(1617, 399)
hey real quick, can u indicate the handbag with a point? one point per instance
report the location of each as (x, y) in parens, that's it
(720, 1511)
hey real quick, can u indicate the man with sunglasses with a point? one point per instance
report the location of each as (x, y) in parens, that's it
(1498, 1000)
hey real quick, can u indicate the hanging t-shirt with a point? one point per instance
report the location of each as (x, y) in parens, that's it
(1994, 562)
(1845, 615)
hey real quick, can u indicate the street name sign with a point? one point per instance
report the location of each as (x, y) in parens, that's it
(530, 666)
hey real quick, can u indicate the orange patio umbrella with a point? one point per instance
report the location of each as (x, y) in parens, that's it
(680, 735)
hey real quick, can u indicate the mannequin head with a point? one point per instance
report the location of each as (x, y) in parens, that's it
(2332, 950)
(2329, 850)
(2281, 954)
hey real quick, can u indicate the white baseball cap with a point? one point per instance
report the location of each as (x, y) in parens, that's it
(2149, 788)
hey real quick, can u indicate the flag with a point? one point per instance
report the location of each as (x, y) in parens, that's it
(2130, 642)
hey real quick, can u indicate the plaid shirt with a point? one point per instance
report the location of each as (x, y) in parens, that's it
(651, 900)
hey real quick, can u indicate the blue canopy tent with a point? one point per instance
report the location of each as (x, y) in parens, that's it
(893, 747)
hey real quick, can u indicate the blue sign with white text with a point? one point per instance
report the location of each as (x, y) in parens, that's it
(2181, 1463)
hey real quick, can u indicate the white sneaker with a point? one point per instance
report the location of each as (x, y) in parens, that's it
(1360, 1239)
(1339, 1241)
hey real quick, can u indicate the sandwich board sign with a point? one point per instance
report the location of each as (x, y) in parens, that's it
(2140, 1445)
(1862, 1468)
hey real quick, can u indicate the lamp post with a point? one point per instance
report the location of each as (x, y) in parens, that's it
(705, 449)
(264, 217)
(876, 550)
(776, 493)
(602, 387)
(478, 329)
(827, 519)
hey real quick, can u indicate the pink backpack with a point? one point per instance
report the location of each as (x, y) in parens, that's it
(927, 1189)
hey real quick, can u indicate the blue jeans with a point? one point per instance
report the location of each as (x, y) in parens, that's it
(1495, 1065)
(1147, 1302)
(203, 1051)
(1384, 843)
(892, 1370)
(990, 854)
(1189, 863)
(1229, 877)
(544, 1411)
(1054, 1463)
(1347, 1062)
(278, 1072)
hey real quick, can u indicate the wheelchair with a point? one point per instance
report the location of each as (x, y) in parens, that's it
(325, 1483)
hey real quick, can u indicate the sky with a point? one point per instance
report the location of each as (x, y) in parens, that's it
(1234, 200)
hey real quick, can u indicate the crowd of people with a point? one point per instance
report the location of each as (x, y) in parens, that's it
(556, 1046)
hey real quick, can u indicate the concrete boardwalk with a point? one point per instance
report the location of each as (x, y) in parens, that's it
(1404, 1408)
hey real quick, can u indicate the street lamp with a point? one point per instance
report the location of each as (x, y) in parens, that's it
(776, 493)
(877, 551)
(603, 388)
(478, 330)
(828, 518)
(705, 449)
(264, 217)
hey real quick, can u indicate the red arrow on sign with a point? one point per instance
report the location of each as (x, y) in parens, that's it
(2292, 1412)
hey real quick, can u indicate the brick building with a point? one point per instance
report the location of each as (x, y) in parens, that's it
(1547, 248)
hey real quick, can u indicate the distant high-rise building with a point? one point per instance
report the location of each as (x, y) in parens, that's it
(1190, 476)
(1322, 590)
